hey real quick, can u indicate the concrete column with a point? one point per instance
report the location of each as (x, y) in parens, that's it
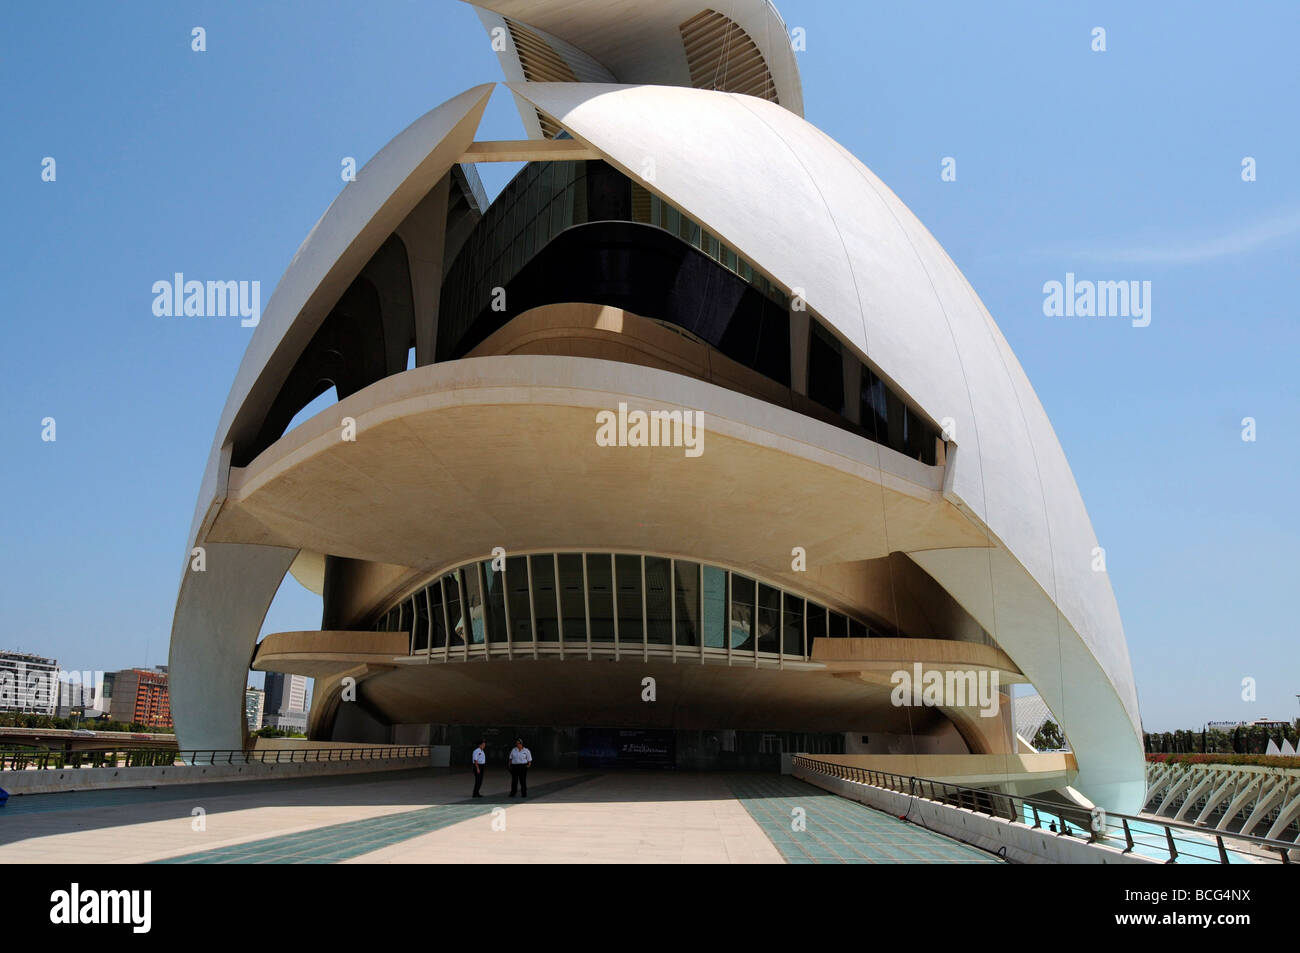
(799, 330)
(218, 615)
(424, 233)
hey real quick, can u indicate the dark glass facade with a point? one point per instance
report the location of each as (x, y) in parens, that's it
(612, 602)
(584, 232)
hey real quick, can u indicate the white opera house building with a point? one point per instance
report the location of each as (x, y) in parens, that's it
(850, 476)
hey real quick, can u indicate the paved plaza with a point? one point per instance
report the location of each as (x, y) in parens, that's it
(426, 816)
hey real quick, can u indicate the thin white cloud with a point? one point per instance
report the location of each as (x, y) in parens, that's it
(1181, 251)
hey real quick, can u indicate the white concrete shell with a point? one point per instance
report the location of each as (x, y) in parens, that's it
(818, 223)
(811, 216)
(632, 41)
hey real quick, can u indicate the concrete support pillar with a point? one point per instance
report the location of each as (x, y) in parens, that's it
(1157, 782)
(799, 330)
(1222, 791)
(1207, 779)
(1183, 784)
(1290, 811)
(218, 616)
(1270, 797)
(1247, 793)
(424, 233)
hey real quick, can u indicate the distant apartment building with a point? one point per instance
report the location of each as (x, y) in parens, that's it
(28, 683)
(286, 702)
(254, 700)
(141, 696)
(285, 693)
(290, 721)
(84, 694)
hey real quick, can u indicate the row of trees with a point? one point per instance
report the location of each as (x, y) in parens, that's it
(14, 719)
(1244, 739)
(272, 732)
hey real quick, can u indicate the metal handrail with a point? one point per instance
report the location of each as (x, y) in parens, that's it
(975, 799)
(51, 760)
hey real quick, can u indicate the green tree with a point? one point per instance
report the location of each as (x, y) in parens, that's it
(1049, 737)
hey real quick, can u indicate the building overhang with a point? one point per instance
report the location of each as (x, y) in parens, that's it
(453, 460)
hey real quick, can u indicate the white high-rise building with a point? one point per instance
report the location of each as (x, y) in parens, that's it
(28, 683)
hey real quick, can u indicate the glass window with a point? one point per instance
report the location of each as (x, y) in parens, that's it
(529, 240)
(547, 176)
(919, 437)
(690, 232)
(640, 204)
(600, 596)
(403, 618)
(687, 595)
(672, 219)
(825, 369)
(658, 601)
(839, 626)
(521, 613)
(420, 638)
(874, 407)
(494, 602)
(773, 353)
(435, 613)
(742, 612)
(558, 221)
(627, 578)
(897, 412)
(769, 619)
(571, 598)
(473, 602)
(518, 260)
(451, 593)
(548, 627)
(816, 624)
(575, 201)
(792, 626)
(857, 630)
(714, 600)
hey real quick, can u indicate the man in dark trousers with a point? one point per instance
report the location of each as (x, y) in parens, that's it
(521, 759)
(480, 762)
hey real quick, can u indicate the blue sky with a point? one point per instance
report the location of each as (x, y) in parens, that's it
(1117, 165)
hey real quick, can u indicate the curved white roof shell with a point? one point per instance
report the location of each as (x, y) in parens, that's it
(803, 210)
(633, 41)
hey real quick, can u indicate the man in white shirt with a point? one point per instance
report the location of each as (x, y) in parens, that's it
(480, 762)
(521, 759)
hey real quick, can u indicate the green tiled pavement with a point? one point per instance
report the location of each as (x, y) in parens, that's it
(338, 842)
(840, 831)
